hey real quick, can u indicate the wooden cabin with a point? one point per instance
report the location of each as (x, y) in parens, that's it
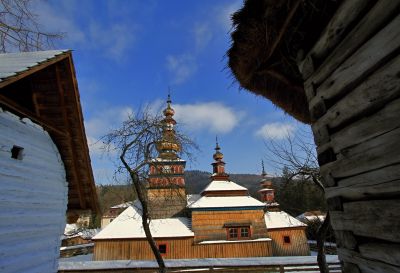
(45, 172)
(223, 221)
(113, 213)
(335, 65)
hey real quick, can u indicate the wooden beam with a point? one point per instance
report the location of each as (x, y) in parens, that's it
(75, 168)
(26, 113)
(85, 152)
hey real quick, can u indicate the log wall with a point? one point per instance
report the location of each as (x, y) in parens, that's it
(178, 248)
(298, 245)
(209, 225)
(353, 87)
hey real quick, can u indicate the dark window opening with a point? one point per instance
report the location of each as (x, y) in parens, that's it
(286, 239)
(162, 248)
(16, 152)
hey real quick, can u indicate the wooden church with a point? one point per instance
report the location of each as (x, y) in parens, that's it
(223, 221)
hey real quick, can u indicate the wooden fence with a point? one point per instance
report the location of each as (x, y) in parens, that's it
(253, 265)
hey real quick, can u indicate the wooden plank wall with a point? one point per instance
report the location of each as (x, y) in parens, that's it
(297, 247)
(353, 87)
(178, 248)
(209, 225)
(33, 197)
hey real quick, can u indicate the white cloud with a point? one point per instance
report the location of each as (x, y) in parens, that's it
(101, 123)
(181, 67)
(114, 39)
(211, 116)
(276, 130)
(202, 35)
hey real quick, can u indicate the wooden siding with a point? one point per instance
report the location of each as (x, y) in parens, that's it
(178, 248)
(33, 198)
(298, 245)
(209, 225)
(354, 100)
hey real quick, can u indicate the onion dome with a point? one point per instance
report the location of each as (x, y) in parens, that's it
(168, 145)
(218, 156)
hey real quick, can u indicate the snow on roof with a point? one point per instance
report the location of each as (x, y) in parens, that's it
(129, 225)
(280, 219)
(223, 185)
(225, 202)
(265, 190)
(191, 198)
(12, 64)
(122, 206)
(159, 159)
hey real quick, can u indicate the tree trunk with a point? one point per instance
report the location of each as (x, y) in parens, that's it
(145, 221)
(321, 236)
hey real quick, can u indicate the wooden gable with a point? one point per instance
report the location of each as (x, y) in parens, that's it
(47, 93)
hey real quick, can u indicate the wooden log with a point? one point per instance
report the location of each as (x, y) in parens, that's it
(375, 218)
(367, 59)
(382, 182)
(373, 154)
(345, 239)
(350, 268)
(365, 265)
(388, 253)
(379, 89)
(373, 21)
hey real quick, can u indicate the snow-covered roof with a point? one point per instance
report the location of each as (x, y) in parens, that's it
(122, 206)
(312, 216)
(12, 64)
(191, 198)
(73, 230)
(280, 219)
(223, 185)
(159, 159)
(129, 225)
(266, 189)
(226, 202)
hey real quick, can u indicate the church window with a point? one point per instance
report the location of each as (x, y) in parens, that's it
(238, 233)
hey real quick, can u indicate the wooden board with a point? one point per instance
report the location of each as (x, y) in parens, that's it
(374, 218)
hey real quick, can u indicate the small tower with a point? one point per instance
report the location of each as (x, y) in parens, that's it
(166, 188)
(218, 165)
(267, 192)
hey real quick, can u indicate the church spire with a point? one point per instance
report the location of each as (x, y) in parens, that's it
(168, 145)
(263, 173)
(218, 164)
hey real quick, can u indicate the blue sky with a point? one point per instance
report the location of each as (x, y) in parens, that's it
(127, 54)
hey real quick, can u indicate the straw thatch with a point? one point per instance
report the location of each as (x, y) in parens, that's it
(269, 36)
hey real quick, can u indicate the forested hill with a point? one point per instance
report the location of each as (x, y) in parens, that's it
(196, 181)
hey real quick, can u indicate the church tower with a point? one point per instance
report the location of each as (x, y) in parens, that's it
(267, 192)
(166, 188)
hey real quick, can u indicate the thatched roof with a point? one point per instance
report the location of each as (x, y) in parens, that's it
(269, 36)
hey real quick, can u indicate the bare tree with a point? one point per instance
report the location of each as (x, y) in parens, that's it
(298, 157)
(20, 29)
(135, 142)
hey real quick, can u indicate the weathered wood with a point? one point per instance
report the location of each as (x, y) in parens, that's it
(366, 265)
(367, 59)
(342, 20)
(350, 268)
(297, 247)
(388, 253)
(345, 239)
(378, 90)
(377, 183)
(373, 154)
(374, 20)
(374, 218)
